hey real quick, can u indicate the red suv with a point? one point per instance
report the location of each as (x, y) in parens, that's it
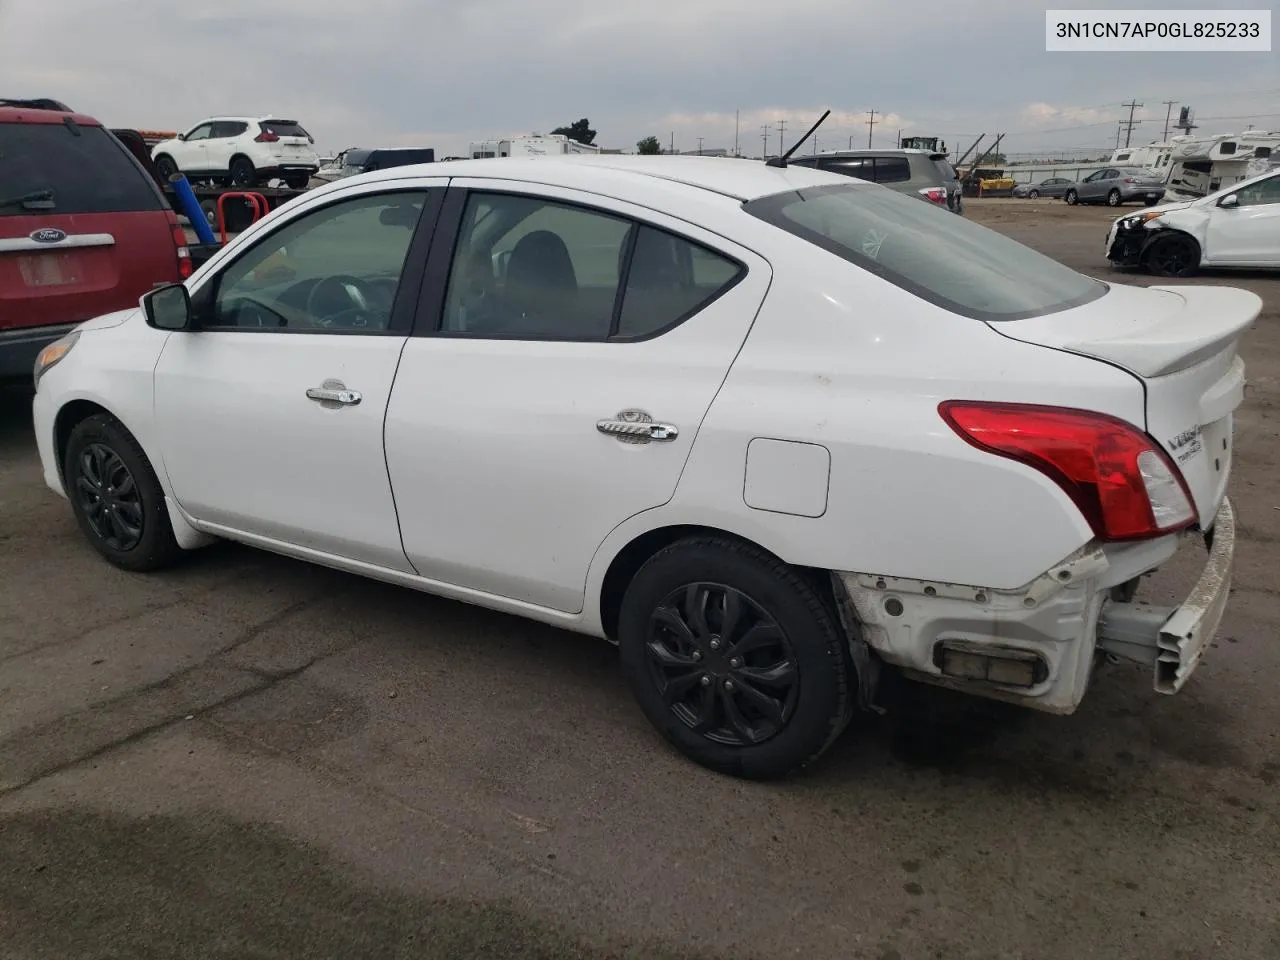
(84, 229)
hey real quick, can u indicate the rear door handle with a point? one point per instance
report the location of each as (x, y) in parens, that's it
(333, 391)
(636, 426)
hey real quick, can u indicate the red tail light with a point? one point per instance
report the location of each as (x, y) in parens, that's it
(936, 194)
(266, 136)
(1122, 482)
(184, 255)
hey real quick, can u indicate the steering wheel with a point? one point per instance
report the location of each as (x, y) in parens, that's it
(349, 302)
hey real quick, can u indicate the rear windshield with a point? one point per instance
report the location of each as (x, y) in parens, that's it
(284, 128)
(87, 170)
(928, 251)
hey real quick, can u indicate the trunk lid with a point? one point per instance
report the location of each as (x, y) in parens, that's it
(1182, 344)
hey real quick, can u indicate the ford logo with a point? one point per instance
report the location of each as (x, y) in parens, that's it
(48, 235)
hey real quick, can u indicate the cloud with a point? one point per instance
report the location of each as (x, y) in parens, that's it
(390, 72)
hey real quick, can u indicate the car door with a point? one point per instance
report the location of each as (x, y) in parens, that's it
(555, 384)
(1096, 186)
(270, 411)
(193, 150)
(222, 143)
(1248, 233)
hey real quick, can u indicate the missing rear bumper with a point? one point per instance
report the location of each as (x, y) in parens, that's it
(1172, 640)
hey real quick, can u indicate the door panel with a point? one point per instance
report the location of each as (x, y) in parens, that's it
(192, 154)
(1249, 233)
(244, 444)
(504, 480)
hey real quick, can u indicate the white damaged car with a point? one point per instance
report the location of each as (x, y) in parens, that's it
(770, 430)
(1235, 227)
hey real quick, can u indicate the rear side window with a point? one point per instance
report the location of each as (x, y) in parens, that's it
(948, 172)
(284, 128)
(946, 260)
(87, 171)
(892, 170)
(225, 129)
(669, 279)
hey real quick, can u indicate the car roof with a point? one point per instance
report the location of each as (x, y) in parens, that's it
(37, 115)
(738, 179)
(877, 150)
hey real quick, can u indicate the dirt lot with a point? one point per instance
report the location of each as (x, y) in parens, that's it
(252, 757)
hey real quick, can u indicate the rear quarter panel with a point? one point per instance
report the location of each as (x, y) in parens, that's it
(841, 358)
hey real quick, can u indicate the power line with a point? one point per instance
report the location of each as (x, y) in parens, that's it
(764, 139)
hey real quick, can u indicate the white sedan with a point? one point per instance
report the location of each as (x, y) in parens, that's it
(1235, 227)
(770, 430)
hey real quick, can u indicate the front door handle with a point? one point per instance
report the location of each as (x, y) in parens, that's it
(636, 426)
(333, 391)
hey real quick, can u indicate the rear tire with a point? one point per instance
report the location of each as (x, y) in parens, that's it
(116, 498)
(1174, 255)
(1071, 197)
(756, 695)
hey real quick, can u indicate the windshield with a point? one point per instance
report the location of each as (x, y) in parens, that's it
(928, 251)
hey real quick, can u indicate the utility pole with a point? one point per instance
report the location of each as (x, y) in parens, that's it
(699, 146)
(1130, 123)
(764, 138)
(1119, 124)
(1167, 114)
(673, 142)
(782, 129)
(736, 152)
(871, 126)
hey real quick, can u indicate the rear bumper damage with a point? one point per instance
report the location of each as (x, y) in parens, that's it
(1036, 646)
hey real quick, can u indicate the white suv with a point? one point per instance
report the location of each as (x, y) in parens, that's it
(241, 151)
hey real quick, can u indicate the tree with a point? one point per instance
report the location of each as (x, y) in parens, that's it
(649, 146)
(579, 130)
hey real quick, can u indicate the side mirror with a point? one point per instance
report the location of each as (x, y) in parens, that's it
(168, 307)
(182, 136)
(1230, 201)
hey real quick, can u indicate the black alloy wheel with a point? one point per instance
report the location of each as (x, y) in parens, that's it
(1174, 255)
(109, 497)
(722, 664)
(116, 497)
(735, 657)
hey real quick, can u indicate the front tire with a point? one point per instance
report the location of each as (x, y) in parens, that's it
(735, 658)
(165, 167)
(1113, 198)
(1033, 194)
(1174, 255)
(116, 498)
(1072, 197)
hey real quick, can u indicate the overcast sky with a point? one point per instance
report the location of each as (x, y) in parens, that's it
(443, 72)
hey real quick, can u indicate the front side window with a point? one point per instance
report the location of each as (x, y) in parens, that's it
(946, 260)
(335, 269)
(1260, 193)
(201, 132)
(529, 268)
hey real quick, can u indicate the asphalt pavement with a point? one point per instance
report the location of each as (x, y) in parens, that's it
(251, 757)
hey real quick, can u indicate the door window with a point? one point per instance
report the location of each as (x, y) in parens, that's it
(528, 268)
(1260, 193)
(201, 132)
(892, 169)
(227, 129)
(535, 269)
(333, 270)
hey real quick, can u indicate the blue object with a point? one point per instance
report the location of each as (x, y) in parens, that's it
(191, 207)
